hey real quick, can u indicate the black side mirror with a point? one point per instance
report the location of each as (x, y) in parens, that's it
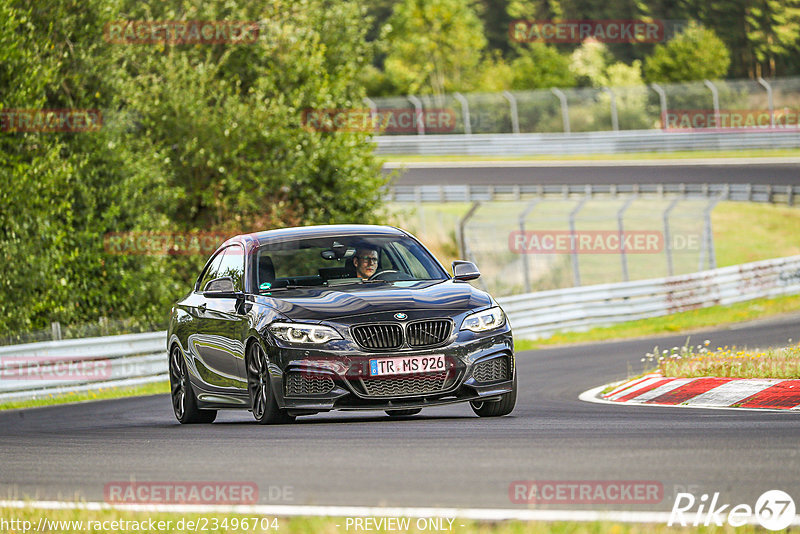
(465, 270)
(220, 288)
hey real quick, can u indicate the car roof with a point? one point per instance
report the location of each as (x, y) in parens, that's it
(329, 230)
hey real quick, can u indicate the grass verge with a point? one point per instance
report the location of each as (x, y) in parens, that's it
(139, 522)
(745, 232)
(687, 154)
(671, 324)
(692, 361)
(94, 394)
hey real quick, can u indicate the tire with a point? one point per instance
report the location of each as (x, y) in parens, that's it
(262, 399)
(495, 409)
(184, 402)
(403, 413)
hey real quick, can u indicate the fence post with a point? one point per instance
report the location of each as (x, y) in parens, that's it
(564, 107)
(373, 114)
(712, 256)
(667, 237)
(524, 215)
(464, 113)
(420, 209)
(614, 116)
(770, 102)
(418, 113)
(462, 238)
(715, 98)
(662, 98)
(621, 228)
(576, 272)
(512, 102)
(55, 328)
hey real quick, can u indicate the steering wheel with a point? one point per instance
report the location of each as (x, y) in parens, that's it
(377, 276)
(391, 276)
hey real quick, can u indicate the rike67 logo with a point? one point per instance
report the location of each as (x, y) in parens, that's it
(774, 510)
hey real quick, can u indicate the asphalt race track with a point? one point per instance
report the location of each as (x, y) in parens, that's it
(444, 457)
(599, 172)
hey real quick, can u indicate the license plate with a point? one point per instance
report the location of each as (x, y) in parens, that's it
(407, 365)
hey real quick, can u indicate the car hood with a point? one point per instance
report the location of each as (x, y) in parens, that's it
(320, 303)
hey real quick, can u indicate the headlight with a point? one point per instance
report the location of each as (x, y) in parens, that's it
(484, 320)
(303, 333)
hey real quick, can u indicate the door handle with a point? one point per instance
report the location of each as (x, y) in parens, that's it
(202, 308)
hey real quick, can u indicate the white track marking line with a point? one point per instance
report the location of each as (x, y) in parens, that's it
(730, 392)
(660, 390)
(641, 385)
(477, 514)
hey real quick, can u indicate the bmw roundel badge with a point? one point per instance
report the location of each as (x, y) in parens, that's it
(400, 316)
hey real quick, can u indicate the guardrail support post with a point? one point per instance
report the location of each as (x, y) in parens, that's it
(715, 98)
(464, 113)
(576, 271)
(524, 256)
(621, 229)
(512, 102)
(418, 114)
(614, 116)
(564, 107)
(770, 102)
(668, 238)
(662, 98)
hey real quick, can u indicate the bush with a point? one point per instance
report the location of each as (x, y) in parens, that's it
(694, 54)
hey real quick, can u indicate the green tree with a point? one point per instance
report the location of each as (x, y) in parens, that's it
(63, 192)
(538, 10)
(194, 138)
(229, 119)
(694, 54)
(494, 74)
(773, 32)
(434, 46)
(589, 63)
(496, 20)
(541, 66)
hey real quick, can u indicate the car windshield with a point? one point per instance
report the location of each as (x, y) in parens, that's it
(344, 260)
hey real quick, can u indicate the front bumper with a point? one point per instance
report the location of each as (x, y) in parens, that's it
(337, 379)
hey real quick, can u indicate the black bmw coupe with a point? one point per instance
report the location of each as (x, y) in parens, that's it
(299, 321)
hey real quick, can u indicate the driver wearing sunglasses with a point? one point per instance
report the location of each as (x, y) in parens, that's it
(366, 262)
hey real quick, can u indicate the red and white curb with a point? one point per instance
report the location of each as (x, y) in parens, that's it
(704, 392)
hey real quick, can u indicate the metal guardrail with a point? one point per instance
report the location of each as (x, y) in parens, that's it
(601, 142)
(544, 313)
(37, 370)
(485, 193)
